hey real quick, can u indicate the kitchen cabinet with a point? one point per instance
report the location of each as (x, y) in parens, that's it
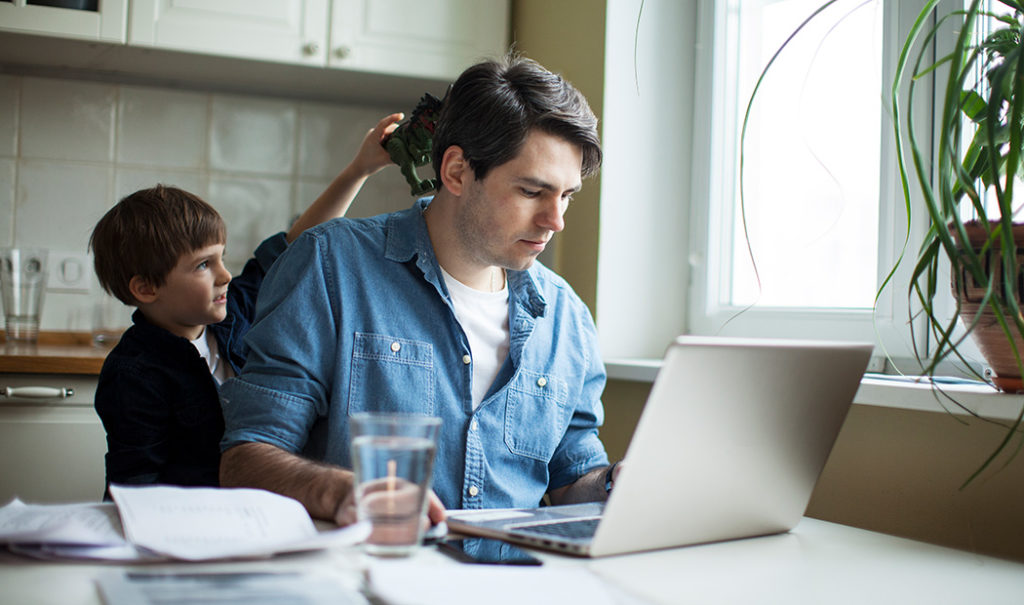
(371, 52)
(51, 448)
(418, 38)
(107, 23)
(288, 31)
(425, 38)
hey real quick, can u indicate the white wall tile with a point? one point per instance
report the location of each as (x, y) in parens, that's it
(159, 127)
(306, 191)
(330, 135)
(8, 170)
(9, 88)
(249, 134)
(386, 191)
(67, 120)
(129, 180)
(63, 311)
(58, 203)
(253, 209)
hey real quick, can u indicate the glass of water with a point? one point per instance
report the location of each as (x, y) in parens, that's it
(23, 284)
(393, 461)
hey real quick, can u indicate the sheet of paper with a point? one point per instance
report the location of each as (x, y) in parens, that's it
(86, 524)
(217, 523)
(410, 582)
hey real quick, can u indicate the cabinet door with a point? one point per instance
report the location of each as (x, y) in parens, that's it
(51, 449)
(289, 31)
(106, 23)
(419, 38)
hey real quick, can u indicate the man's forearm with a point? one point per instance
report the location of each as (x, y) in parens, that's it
(319, 487)
(588, 488)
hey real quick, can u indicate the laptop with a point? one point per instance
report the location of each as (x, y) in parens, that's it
(730, 444)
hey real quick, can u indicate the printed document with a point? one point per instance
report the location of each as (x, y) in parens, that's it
(163, 522)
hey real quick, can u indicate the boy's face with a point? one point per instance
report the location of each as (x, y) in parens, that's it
(194, 293)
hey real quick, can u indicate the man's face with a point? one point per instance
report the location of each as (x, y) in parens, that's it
(194, 293)
(507, 218)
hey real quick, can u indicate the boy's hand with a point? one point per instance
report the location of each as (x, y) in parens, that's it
(372, 156)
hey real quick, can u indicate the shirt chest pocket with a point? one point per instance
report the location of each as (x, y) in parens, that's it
(536, 414)
(391, 374)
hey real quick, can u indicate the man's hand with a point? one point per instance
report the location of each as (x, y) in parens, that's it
(346, 513)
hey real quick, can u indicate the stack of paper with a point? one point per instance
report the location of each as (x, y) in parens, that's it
(75, 531)
(163, 522)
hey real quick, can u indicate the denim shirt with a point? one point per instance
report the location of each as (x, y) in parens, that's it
(355, 317)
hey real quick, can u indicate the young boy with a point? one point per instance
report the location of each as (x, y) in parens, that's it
(161, 250)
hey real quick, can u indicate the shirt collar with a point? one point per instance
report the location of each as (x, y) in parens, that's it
(407, 237)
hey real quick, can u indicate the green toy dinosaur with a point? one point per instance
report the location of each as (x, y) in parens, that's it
(410, 144)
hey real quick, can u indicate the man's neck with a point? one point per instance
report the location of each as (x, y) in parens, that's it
(444, 239)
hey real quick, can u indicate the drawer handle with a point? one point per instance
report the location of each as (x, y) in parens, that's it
(37, 392)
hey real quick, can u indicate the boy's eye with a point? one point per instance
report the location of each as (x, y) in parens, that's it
(203, 265)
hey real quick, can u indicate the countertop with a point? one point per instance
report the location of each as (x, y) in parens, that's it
(55, 353)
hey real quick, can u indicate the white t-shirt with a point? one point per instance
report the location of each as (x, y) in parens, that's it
(206, 344)
(484, 318)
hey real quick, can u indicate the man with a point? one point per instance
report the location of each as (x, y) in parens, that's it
(439, 309)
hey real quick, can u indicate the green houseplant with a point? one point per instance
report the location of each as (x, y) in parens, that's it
(965, 187)
(969, 194)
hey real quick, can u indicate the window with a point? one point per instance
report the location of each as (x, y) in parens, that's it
(821, 221)
(812, 156)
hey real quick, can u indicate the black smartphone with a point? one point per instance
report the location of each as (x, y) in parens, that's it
(487, 552)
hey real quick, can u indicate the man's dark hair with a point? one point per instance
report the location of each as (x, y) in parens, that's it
(494, 105)
(146, 234)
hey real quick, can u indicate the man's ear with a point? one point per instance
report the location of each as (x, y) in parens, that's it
(454, 170)
(142, 289)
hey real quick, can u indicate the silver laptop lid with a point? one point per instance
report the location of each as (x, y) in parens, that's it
(731, 442)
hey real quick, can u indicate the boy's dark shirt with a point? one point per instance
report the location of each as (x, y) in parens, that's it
(157, 399)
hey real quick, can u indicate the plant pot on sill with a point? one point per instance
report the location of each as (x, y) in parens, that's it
(988, 335)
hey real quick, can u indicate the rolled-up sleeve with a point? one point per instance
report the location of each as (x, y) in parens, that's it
(284, 385)
(256, 413)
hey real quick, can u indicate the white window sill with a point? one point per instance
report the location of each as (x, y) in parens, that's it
(881, 391)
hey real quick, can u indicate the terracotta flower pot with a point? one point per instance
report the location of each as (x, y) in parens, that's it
(988, 334)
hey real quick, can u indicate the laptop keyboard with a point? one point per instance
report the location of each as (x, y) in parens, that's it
(575, 528)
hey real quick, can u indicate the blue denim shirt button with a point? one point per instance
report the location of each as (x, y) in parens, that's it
(542, 381)
(466, 359)
(473, 491)
(395, 347)
(474, 425)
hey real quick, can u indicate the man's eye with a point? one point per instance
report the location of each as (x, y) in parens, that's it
(531, 192)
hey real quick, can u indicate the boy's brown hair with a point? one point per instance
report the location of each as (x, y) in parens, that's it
(146, 233)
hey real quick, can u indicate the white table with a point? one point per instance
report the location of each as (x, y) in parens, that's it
(818, 562)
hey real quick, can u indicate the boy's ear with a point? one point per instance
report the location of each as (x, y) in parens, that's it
(142, 289)
(454, 170)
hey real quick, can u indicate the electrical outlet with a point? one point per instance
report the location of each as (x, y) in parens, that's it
(69, 272)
